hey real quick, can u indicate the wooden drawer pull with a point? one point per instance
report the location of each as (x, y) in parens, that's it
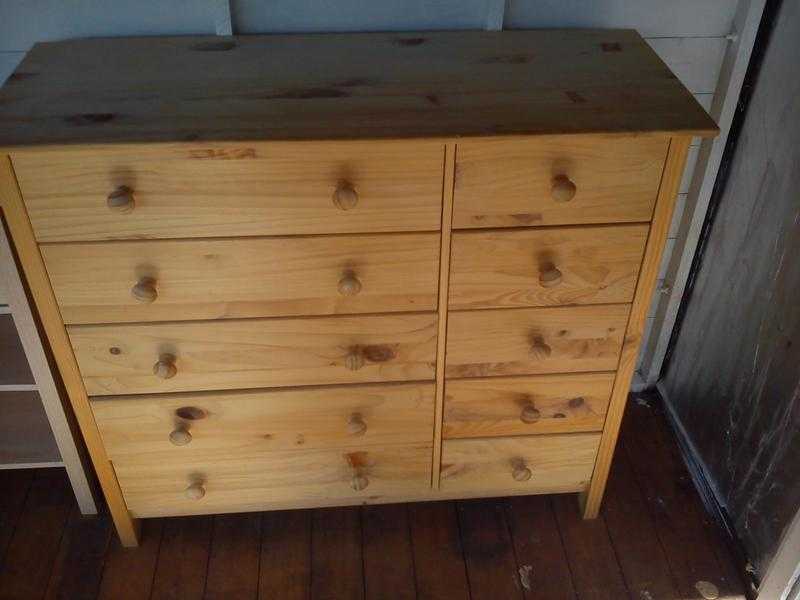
(121, 200)
(195, 491)
(530, 414)
(359, 482)
(563, 189)
(345, 196)
(356, 425)
(539, 349)
(180, 436)
(145, 290)
(520, 471)
(165, 367)
(349, 285)
(355, 359)
(550, 277)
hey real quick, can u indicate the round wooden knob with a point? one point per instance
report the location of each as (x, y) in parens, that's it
(180, 436)
(359, 482)
(563, 189)
(540, 350)
(356, 425)
(145, 291)
(349, 285)
(355, 360)
(529, 414)
(195, 491)
(121, 200)
(345, 196)
(521, 473)
(550, 277)
(165, 367)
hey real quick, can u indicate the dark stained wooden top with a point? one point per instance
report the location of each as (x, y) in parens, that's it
(344, 86)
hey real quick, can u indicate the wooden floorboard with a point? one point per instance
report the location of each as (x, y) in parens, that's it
(439, 565)
(653, 540)
(182, 562)
(285, 570)
(235, 554)
(488, 550)
(541, 560)
(388, 558)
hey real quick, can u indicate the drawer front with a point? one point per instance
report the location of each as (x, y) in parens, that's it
(545, 267)
(235, 481)
(192, 190)
(557, 180)
(541, 404)
(529, 341)
(181, 425)
(546, 464)
(246, 277)
(253, 353)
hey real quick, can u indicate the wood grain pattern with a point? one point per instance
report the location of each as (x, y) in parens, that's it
(668, 190)
(255, 353)
(264, 420)
(493, 406)
(558, 463)
(616, 179)
(231, 189)
(212, 279)
(16, 219)
(509, 342)
(497, 269)
(237, 481)
(424, 84)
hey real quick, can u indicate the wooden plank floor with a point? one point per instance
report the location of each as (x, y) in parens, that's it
(653, 541)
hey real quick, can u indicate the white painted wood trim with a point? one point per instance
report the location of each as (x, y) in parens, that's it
(5, 310)
(22, 387)
(495, 14)
(223, 24)
(40, 368)
(781, 579)
(39, 465)
(723, 108)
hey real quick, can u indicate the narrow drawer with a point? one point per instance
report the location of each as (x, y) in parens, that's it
(529, 341)
(236, 481)
(557, 180)
(168, 280)
(181, 425)
(546, 267)
(541, 404)
(253, 353)
(547, 464)
(219, 190)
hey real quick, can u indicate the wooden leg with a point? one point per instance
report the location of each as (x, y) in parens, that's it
(39, 284)
(670, 182)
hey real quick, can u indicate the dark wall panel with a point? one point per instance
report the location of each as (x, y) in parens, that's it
(734, 377)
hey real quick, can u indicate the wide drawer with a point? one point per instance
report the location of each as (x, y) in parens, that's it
(204, 190)
(159, 485)
(180, 425)
(169, 280)
(546, 464)
(540, 404)
(529, 341)
(253, 353)
(549, 266)
(557, 180)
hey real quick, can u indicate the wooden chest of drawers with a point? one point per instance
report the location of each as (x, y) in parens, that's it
(275, 277)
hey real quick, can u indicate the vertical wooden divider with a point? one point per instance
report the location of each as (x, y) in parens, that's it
(448, 188)
(39, 283)
(648, 274)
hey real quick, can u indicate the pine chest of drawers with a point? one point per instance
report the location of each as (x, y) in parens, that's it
(294, 271)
